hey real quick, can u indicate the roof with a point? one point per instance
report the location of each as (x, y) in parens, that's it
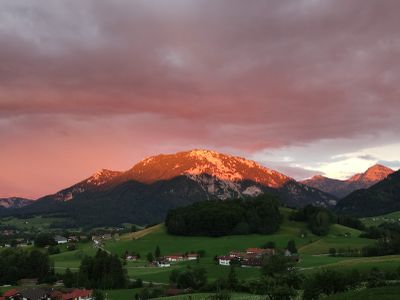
(255, 250)
(224, 257)
(10, 293)
(174, 256)
(60, 238)
(76, 294)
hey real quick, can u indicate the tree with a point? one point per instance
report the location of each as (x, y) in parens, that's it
(325, 282)
(44, 239)
(150, 257)
(279, 277)
(194, 278)
(98, 295)
(53, 250)
(157, 252)
(269, 245)
(376, 278)
(69, 278)
(291, 246)
(103, 271)
(320, 222)
(232, 279)
(332, 251)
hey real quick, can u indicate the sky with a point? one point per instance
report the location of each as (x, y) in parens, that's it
(302, 86)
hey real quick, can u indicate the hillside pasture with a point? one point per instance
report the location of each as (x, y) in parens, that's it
(393, 217)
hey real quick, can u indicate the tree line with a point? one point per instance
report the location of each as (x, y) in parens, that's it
(16, 264)
(218, 218)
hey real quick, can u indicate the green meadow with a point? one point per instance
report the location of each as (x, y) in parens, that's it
(313, 250)
(393, 217)
(381, 293)
(34, 224)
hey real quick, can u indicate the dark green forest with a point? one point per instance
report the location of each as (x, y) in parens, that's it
(218, 218)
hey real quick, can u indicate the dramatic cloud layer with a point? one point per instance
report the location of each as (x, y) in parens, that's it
(91, 84)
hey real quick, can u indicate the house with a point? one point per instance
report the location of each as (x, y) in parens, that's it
(236, 254)
(224, 260)
(163, 264)
(107, 236)
(174, 257)
(192, 256)
(252, 262)
(131, 257)
(60, 239)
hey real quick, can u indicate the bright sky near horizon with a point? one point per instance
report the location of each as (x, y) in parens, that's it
(305, 87)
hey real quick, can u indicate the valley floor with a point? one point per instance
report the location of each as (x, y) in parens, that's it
(313, 251)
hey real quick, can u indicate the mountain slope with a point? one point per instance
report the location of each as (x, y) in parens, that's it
(147, 191)
(14, 202)
(100, 180)
(381, 198)
(342, 188)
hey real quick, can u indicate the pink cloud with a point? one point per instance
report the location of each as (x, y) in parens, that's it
(98, 84)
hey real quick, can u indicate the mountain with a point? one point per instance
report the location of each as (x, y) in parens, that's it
(14, 202)
(381, 198)
(342, 188)
(100, 180)
(145, 193)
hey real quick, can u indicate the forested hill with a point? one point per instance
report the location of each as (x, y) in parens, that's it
(217, 218)
(381, 198)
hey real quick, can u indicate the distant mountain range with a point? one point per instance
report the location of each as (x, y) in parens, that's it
(146, 192)
(381, 198)
(14, 202)
(342, 188)
(156, 184)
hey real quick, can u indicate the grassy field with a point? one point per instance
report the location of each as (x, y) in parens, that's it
(393, 217)
(34, 224)
(382, 293)
(72, 259)
(312, 249)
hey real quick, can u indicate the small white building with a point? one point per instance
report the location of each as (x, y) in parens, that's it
(60, 239)
(163, 264)
(224, 260)
(192, 256)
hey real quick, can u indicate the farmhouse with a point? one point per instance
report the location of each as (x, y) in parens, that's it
(224, 260)
(192, 256)
(131, 257)
(252, 262)
(163, 264)
(174, 257)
